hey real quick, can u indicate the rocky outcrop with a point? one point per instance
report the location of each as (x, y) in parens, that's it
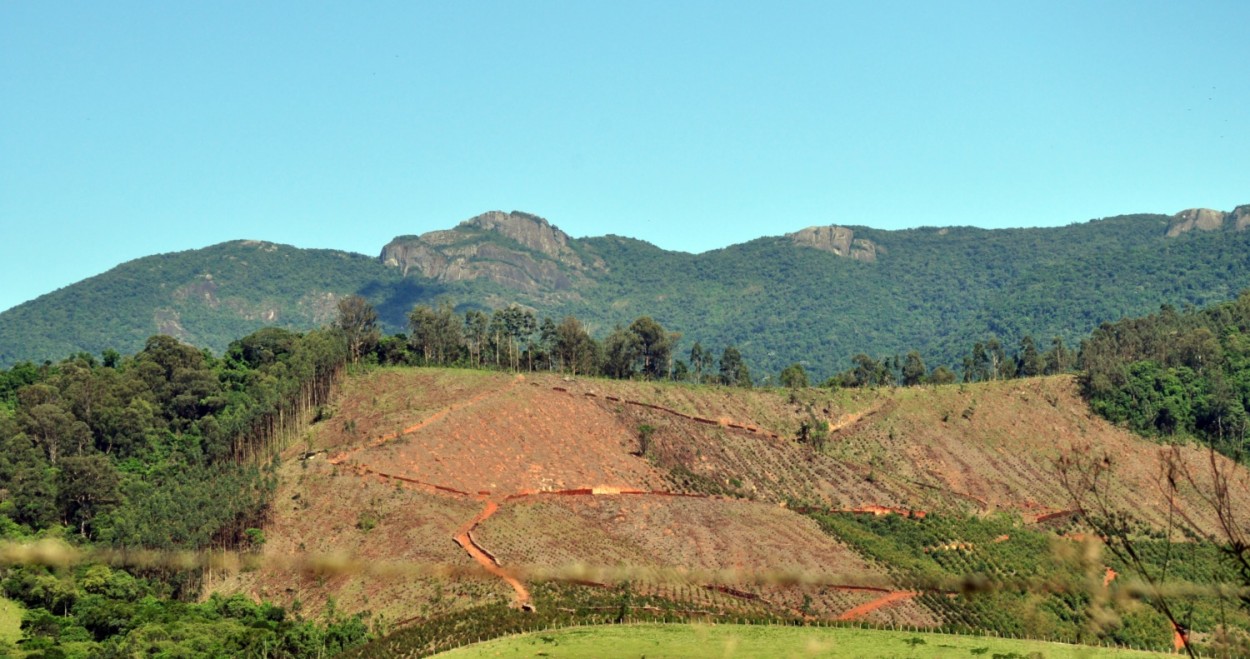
(1205, 219)
(1240, 218)
(837, 240)
(520, 251)
(1200, 219)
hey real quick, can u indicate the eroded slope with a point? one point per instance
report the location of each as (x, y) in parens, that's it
(463, 468)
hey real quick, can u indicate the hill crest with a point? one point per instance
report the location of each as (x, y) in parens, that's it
(516, 250)
(816, 296)
(1206, 219)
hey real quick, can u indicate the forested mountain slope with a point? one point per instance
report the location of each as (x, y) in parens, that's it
(816, 296)
(207, 297)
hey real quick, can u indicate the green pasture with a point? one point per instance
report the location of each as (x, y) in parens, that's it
(10, 621)
(656, 641)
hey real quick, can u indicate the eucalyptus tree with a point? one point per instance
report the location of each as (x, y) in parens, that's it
(359, 322)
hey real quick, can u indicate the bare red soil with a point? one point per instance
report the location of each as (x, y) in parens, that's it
(883, 601)
(464, 538)
(557, 463)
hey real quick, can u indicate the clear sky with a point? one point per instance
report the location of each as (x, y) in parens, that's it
(128, 129)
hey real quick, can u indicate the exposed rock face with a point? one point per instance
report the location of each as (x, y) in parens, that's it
(518, 250)
(1202, 219)
(1205, 219)
(1240, 218)
(837, 240)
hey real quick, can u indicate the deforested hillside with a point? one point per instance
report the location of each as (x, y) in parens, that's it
(551, 494)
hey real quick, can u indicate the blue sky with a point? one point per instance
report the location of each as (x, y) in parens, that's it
(128, 129)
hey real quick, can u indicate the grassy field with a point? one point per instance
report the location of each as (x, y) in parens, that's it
(764, 642)
(10, 621)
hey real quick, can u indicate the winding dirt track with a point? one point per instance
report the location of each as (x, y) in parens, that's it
(464, 538)
(464, 535)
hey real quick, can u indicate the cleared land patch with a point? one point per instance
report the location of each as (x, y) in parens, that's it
(643, 531)
(322, 509)
(456, 468)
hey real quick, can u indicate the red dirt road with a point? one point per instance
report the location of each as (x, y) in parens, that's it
(864, 609)
(518, 442)
(465, 540)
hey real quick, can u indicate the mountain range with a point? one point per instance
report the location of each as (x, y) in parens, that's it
(816, 296)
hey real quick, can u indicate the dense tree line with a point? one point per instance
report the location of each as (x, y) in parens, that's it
(1175, 373)
(97, 611)
(169, 448)
(515, 338)
(984, 362)
(131, 451)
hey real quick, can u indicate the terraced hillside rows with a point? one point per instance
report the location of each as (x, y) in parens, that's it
(455, 470)
(982, 448)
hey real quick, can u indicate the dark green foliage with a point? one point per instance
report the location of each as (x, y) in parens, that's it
(793, 376)
(112, 613)
(654, 347)
(935, 291)
(620, 353)
(866, 372)
(207, 297)
(913, 370)
(733, 369)
(986, 361)
(574, 350)
(1029, 362)
(1175, 373)
(942, 375)
(814, 430)
(159, 449)
(167, 449)
(435, 333)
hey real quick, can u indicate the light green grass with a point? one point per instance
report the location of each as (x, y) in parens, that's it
(655, 641)
(10, 621)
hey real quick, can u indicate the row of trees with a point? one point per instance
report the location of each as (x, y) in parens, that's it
(104, 612)
(986, 361)
(168, 449)
(515, 338)
(158, 449)
(1175, 373)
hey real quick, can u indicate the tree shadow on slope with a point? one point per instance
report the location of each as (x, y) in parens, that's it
(394, 299)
